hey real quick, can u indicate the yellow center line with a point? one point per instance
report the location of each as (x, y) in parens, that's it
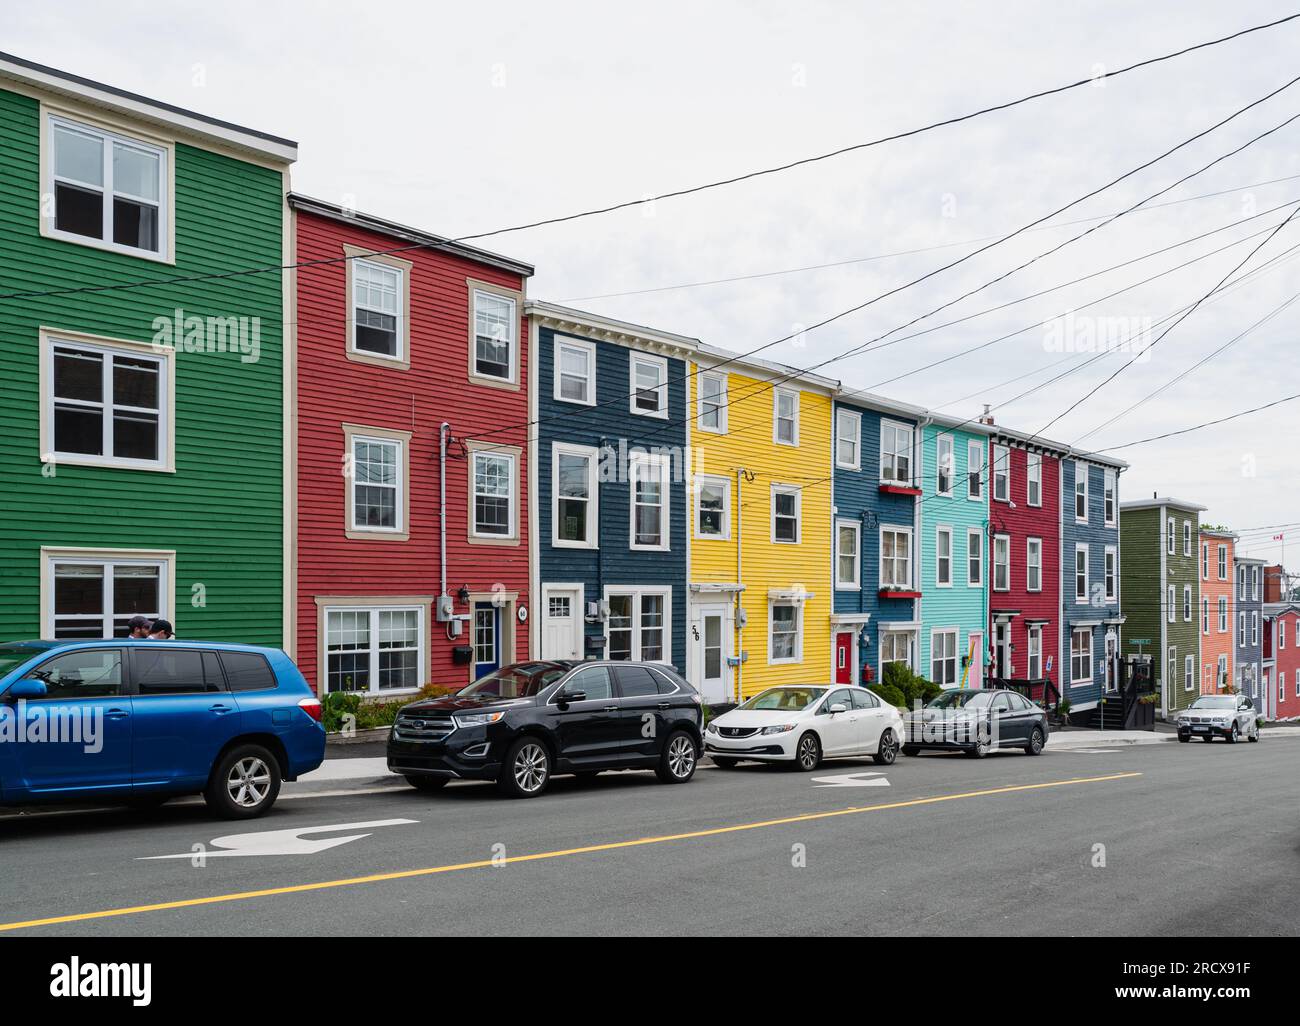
(408, 874)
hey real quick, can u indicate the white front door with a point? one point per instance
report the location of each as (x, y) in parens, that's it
(562, 622)
(710, 647)
(975, 652)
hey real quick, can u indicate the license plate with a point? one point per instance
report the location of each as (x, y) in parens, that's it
(1202, 729)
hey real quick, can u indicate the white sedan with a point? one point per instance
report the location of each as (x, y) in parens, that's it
(803, 724)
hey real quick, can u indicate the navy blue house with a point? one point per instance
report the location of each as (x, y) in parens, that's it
(1091, 620)
(608, 488)
(876, 612)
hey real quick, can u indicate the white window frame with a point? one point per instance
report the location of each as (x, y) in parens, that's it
(106, 349)
(725, 483)
(1080, 479)
(480, 290)
(856, 527)
(1254, 629)
(164, 560)
(1034, 546)
(975, 458)
(660, 364)
(797, 492)
(637, 595)
(1005, 563)
(949, 661)
(1205, 614)
(592, 456)
(1242, 628)
(1034, 654)
(1187, 537)
(1110, 573)
(422, 645)
(940, 441)
(577, 345)
(798, 607)
(165, 152)
(910, 582)
(777, 395)
(1187, 603)
(1254, 583)
(976, 581)
(400, 530)
(941, 532)
(1001, 473)
(1205, 561)
(722, 402)
(1171, 600)
(843, 418)
(512, 535)
(1034, 479)
(1081, 549)
(1083, 657)
(1223, 614)
(663, 461)
(1223, 562)
(400, 318)
(1189, 673)
(1109, 482)
(897, 428)
(1171, 541)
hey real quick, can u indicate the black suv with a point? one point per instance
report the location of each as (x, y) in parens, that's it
(525, 723)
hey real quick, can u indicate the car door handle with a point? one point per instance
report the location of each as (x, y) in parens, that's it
(665, 705)
(116, 714)
(611, 708)
(220, 709)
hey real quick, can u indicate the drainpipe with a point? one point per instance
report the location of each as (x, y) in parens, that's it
(443, 432)
(740, 629)
(918, 539)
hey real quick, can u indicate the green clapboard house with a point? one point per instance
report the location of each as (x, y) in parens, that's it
(142, 429)
(1160, 539)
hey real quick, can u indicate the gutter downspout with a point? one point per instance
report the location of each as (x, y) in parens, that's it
(443, 431)
(740, 628)
(918, 540)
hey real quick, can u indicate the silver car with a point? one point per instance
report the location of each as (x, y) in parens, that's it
(1230, 717)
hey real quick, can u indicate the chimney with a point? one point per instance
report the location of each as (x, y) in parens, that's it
(987, 418)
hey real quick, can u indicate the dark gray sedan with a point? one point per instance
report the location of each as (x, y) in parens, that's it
(976, 721)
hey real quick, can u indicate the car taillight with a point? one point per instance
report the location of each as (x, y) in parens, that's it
(312, 707)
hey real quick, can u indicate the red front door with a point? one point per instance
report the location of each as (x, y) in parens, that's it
(843, 658)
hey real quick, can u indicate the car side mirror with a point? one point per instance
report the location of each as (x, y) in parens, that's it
(572, 696)
(838, 707)
(28, 687)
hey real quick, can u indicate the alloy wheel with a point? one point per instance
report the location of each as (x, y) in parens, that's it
(249, 782)
(888, 748)
(530, 768)
(808, 752)
(681, 757)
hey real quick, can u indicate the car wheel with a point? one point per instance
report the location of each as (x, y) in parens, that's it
(977, 750)
(244, 783)
(723, 763)
(888, 751)
(1234, 735)
(1184, 738)
(526, 770)
(911, 749)
(1253, 736)
(1035, 746)
(679, 759)
(808, 753)
(1209, 739)
(427, 784)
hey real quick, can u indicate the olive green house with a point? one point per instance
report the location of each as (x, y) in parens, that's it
(1160, 539)
(142, 428)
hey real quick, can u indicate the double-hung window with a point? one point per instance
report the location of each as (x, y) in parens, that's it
(649, 475)
(1171, 604)
(379, 479)
(786, 503)
(943, 657)
(494, 337)
(1081, 655)
(576, 496)
(975, 470)
(106, 404)
(1205, 615)
(1205, 561)
(1108, 498)
(1188, 672)
(1223, 562)
(1034, 479)
(1034, 636)
(1081, 492)
(712, 507)
(848, 551)
(94, 595)
(944, 464)
(895, 452)
(1033, 564)
(494, 496)
(639, 627)
(848, 440)
(785, 632)
(1170, 539)
(378, 308)
(109, 190)
(974, 557)
(575, 371)
(713, 402)
(1111, 569)
(1081, 573)
(785, 417)
(1223, 615)
(895, 558)
(649, 380)
(1254, 628)
(1241, 630)
(943, 557)
(1001, 562)
(1001, 473)
(374, 650)
(1187, 537)
(1187, 603)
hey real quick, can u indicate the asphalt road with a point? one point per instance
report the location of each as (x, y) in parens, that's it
(1196, 839)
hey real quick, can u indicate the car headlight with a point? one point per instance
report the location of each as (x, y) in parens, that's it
(779, 728)
(1222, 721)
(477, 719)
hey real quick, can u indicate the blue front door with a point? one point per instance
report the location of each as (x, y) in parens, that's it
(77, 739)
(487, 639)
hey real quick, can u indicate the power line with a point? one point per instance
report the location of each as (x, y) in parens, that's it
(1203, 424)
(627, 204)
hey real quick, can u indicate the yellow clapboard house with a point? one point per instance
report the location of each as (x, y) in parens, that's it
(759, 578)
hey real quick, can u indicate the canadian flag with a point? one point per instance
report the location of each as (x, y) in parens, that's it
(1279, 537)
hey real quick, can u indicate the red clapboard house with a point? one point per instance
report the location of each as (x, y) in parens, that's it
(411, 396)
(1024, 548)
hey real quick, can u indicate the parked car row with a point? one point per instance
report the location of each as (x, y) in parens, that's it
(145, 721)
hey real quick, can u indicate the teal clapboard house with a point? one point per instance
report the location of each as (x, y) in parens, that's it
(952, 522)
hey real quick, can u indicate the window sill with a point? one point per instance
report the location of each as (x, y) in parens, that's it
(50, 232)
(479, 539)
(886, 593)
(360, 534)
(491, 382)
(81, 460)
(378, 360)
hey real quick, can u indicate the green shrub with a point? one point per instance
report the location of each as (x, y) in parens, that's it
(912, 686)
(889, 693)
(365, 714)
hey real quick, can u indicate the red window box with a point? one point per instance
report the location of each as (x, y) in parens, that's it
(888, 593)
(898, 489)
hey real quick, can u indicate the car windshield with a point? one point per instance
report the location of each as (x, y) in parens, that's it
(522, 680)
(788, 699)
(961, 700)
(12, 656)
(1215, 702)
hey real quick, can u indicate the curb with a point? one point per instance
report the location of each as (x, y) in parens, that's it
(360, 737)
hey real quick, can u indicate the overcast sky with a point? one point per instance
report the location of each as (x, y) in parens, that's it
(466, 118)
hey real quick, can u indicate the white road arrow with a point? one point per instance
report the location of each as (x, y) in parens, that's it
(852, 780)
(281, 842)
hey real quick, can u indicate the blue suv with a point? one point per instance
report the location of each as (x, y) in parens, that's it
(145, 721)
